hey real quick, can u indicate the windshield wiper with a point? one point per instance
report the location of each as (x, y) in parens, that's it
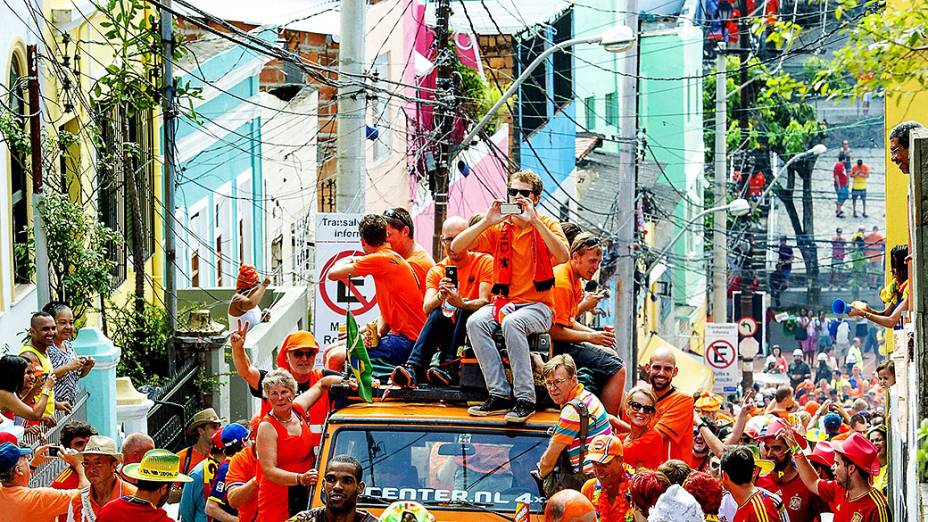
(484, 507)
(369, 499)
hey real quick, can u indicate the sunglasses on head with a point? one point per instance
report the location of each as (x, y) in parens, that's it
(513, 192)
(396, 216)
(644, 408)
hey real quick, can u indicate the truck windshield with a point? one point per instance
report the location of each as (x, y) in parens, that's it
(436, 467)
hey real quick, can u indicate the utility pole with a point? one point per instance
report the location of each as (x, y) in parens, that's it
(352, 105)
(625, 314)
(720, 235)
(35, 135)
(444, 120)
(168, 124)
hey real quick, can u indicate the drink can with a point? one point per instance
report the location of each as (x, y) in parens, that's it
(522, 512)
(608, 328)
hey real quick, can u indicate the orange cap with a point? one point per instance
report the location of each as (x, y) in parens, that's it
(604, 448)
(247, 277)
(295, 341)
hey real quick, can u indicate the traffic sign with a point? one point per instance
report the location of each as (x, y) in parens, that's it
(748, 347)
(720, 354)
(747, 326)
(339, 296)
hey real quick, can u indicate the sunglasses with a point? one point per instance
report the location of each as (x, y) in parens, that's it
(396, 216)
(714, 464)
(644, 408)
(513, 192)
(303, 354)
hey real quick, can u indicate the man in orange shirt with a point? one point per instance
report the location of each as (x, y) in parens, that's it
(448, 304)
(203, 425)
(400, 230)
(526, 247)
(398, 292)
(674, 417)
(100, 462)
(591, 349)
(20, 502)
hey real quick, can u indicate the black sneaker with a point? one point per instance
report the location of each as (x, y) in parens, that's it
(404, 376)
(438, 377)
(521, 411)
(492, 406)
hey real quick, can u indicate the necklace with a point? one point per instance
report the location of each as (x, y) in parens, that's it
(858, 497)
(278, 419)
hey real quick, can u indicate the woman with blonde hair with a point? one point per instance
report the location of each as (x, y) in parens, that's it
(284, 446)
(639, 443)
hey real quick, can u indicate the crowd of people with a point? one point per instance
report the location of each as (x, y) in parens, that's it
(812, 449)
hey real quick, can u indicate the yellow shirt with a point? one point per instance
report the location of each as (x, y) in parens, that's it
(860, 182)
(47, 368)
(879, 482)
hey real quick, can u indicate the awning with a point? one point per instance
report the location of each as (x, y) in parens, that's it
(693, 377)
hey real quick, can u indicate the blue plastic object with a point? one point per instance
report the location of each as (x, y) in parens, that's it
(839, 307)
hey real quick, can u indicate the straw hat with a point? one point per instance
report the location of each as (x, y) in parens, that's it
(202, 417)
(101, 445)
(158, 465)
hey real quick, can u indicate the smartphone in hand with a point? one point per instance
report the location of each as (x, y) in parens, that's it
(510, 209)
(451, 272)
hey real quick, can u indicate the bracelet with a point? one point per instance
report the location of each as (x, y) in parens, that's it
(299, 479)
(47, 392)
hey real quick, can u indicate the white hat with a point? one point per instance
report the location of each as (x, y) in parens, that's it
(676, 505)
(771, 359)
(797, 352)
(822, 357)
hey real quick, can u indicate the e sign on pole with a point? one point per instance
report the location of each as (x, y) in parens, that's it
(722, 356)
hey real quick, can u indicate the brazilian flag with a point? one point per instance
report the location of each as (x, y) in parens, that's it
(359, 360)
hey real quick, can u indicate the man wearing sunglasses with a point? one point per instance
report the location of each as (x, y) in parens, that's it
(525, 247)
(448, 304)
(800, 502)
(400, 230)
(591, 349)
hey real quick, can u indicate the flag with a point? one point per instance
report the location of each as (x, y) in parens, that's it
(358, 359)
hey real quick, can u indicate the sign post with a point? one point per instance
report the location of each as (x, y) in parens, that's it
(722, 356)
(336, 239)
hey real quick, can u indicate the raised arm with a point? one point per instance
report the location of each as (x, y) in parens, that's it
(322, 386)
(741, 420)
(12, 402)
(469, 236)
(806, 471)
(342, 270)
(240, 359)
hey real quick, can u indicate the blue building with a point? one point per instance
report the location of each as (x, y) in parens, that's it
(219, 214)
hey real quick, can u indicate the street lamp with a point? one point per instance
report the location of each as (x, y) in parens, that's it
(738, 207)
(817, 150)
(615, 39)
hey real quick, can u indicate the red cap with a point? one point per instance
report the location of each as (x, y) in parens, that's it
(6, 436)
(217, 439)
(774, 427)
(295, 341)
(823, 454)
(247, 277)
(860, 451)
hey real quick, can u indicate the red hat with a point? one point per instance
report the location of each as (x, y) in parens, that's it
(247, 277)
(774, 427)
(860, 451)
(295, 341)
(823, 454)
(216, 439)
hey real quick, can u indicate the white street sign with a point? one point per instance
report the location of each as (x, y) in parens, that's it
(722, 356)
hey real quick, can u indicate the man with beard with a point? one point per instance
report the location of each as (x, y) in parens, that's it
(100, 462)
(156, 474)
(784, 480)
(674, 416)
(851, 494)
(342, 484)
(607, 491)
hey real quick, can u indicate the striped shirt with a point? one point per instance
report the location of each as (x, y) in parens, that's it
(871, 507)
(568, 425)
(762, 506)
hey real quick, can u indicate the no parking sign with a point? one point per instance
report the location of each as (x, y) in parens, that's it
(336, 239)
(722, 355)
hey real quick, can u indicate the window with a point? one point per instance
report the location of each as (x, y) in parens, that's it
(222, 223)
(19, 195)
(612, 109)
(533, 102)
(380, 117)
(277, 258)
(589, 107)
(245, 216)
(562, 61)
(195, 254)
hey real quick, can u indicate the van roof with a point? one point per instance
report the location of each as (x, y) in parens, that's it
(409, 413)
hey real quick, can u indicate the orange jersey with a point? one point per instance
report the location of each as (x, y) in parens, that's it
(189, 458)
(243, 466)
(421, 262)
(474, 269)
(568, 292)
(398, 292)
(674, 422)
(522, 287)
(120, 489)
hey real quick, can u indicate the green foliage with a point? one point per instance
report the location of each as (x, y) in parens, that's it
(922, 449)
(80, 253)
(143, 338)
(13, 133)
(479, 97)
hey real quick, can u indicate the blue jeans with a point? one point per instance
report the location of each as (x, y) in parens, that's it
(442, 332)
(531, 318)
(393, 348)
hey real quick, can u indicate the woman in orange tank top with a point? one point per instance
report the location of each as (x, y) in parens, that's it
(641, 441)
(284, 446)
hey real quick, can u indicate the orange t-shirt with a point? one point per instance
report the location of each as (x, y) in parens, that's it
(421, 262)
(36, 504)
(674, 421)
(568, 292)
(522, 286)
(474, 269)
(243, 466)
(398, 292)
(195, 458)
(120, 489)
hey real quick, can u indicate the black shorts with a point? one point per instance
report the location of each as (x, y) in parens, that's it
(600, 364)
